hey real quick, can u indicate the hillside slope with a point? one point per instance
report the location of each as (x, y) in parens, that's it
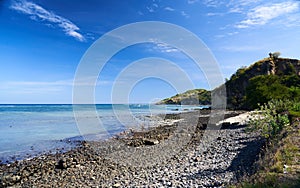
(236, 86)
(238, 83)
(190, 97)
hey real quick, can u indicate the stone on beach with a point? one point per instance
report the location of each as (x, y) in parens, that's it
(151, 141)
(197, 164)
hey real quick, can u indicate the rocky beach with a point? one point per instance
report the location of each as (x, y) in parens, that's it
(149, 158)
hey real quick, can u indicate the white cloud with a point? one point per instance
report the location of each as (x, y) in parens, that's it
(165, 48)
(152, 8)
(236, 10)
(242, 3)
(232, 33)
(169, 9)
(38, 13)
(215, 14)
(162, 47)
(192, 1)
(213, 3)
(234, 6)
(261, 15)
(184, 14)
(155, 5)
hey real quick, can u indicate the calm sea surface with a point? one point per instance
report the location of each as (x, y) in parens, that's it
(30, 130)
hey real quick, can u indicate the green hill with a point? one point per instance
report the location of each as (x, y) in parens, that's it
(269, 78)
(264, 80)
(190, 97)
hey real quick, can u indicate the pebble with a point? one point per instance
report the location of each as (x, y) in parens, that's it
(193, 165)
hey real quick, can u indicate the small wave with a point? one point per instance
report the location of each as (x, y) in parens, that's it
(7, 106)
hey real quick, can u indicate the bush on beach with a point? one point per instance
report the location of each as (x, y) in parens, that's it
(277, 121)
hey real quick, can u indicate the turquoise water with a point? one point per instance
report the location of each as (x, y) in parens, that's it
(29, 130)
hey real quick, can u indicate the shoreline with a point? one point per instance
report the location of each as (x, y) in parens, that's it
(102, 162)
(67, 144)
(24, 134)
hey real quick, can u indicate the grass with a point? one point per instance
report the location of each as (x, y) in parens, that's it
(280, 166)
(288, 155)
(295, 113)
(273, 180)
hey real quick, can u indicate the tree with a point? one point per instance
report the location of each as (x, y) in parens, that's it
(274, 55)
(264, 88)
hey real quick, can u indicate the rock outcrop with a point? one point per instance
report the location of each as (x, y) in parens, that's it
(237, 84)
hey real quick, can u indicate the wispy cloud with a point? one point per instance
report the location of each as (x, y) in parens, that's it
(239, 5)
(161, 47)
(152, 8)
(156, 6)
(213, 3)
(169, 9)
(232, 33)
(215, 14)
(192, 1)
(38, 13)
(184, 14)
(233, 6)
(257, 12)
(261, 15)
(165, 48)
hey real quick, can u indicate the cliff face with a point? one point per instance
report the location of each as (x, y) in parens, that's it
(237, 84)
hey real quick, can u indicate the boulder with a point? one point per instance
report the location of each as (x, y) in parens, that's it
(151, 141)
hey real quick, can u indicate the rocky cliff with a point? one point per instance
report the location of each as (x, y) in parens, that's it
(237, 84)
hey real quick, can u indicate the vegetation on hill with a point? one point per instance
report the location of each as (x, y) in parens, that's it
(269, 78)
(190, 97)
(267, 87)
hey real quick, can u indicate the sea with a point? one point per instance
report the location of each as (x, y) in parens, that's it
(29, 130)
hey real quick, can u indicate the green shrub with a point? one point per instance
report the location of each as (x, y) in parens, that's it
(269, 119)
(296, 107)
(263, 88)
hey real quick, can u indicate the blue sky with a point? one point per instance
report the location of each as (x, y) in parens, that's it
(42, 42)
